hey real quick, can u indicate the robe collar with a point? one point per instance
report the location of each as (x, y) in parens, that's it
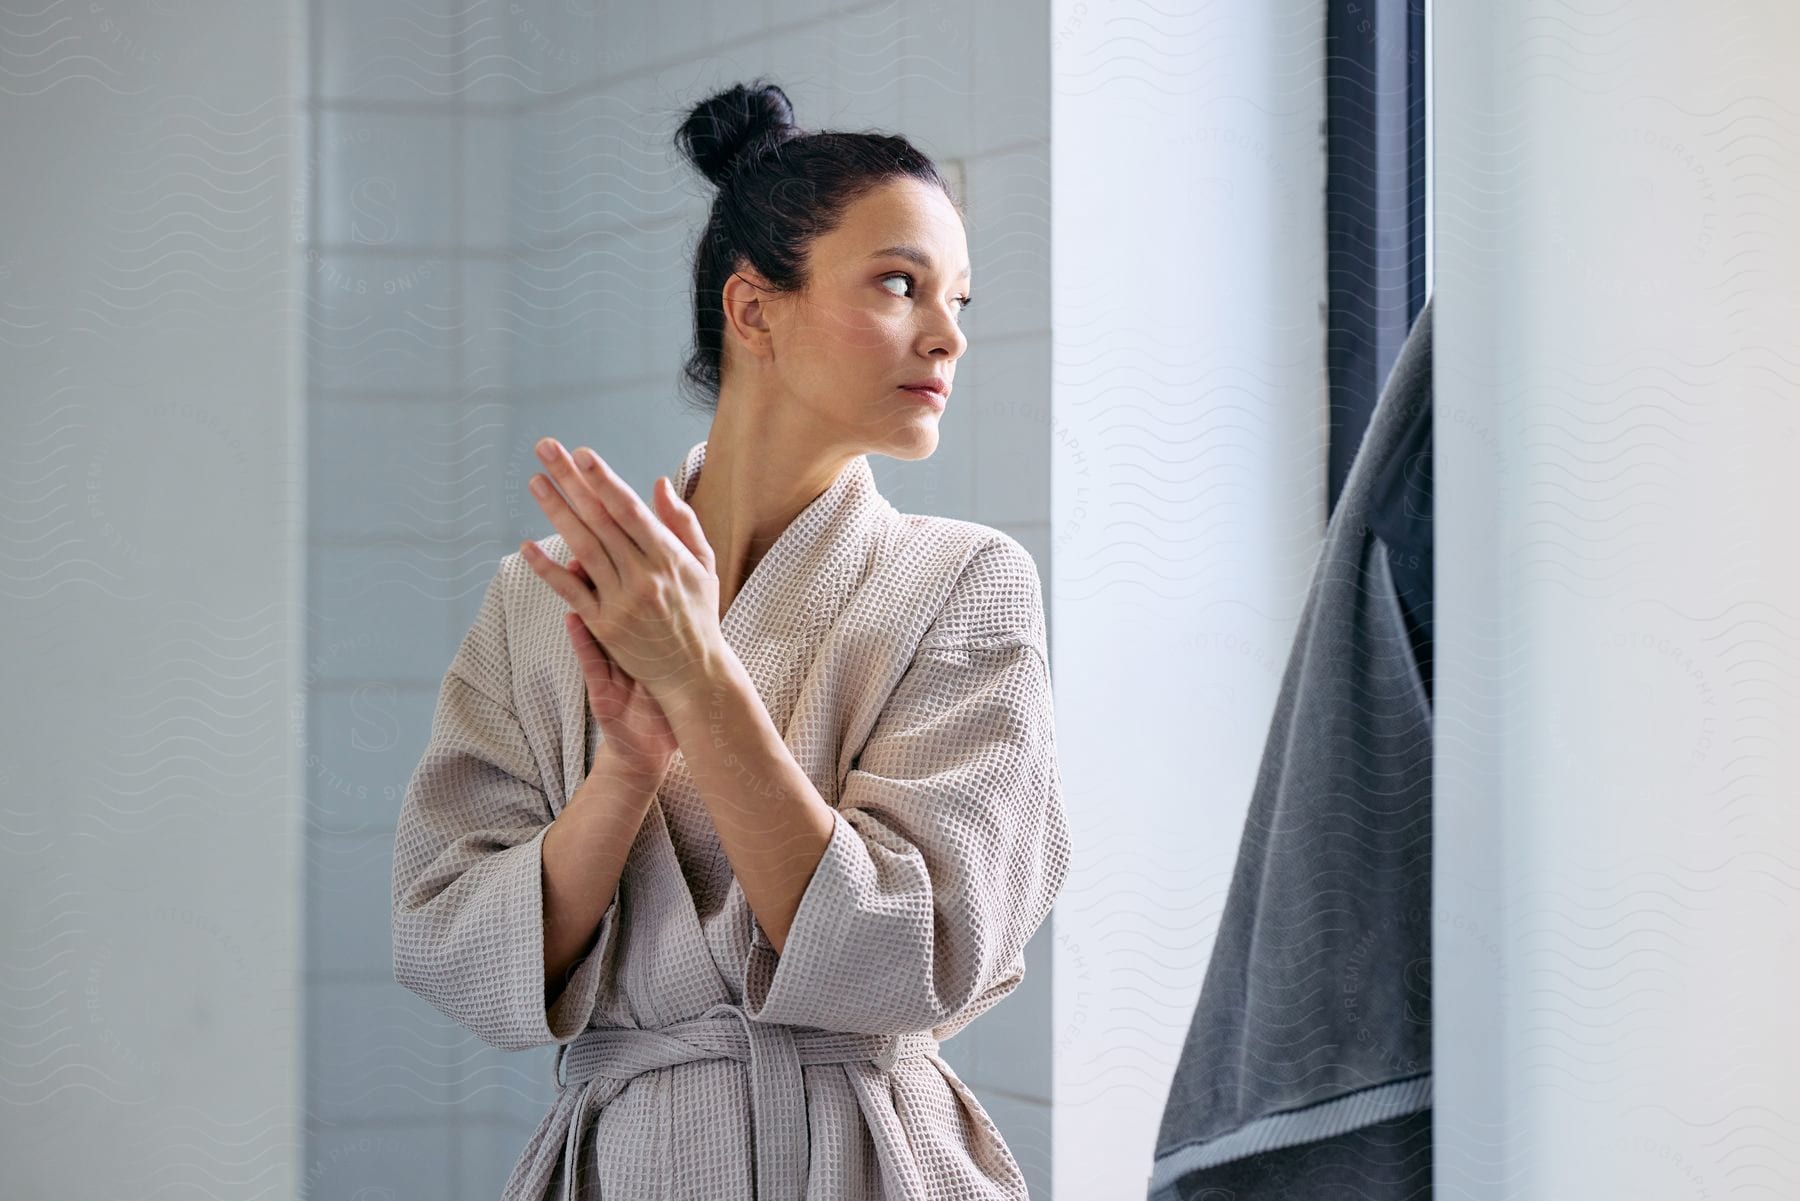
(803, 580)
(779, 618)
(776, 625)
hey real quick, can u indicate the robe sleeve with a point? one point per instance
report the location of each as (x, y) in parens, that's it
(468, 899)
(950, 841)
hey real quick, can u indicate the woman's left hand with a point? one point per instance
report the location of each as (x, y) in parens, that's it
(654, 603)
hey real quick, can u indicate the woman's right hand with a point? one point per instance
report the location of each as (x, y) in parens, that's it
(633, 726)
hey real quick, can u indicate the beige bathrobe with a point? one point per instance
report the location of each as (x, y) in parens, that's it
(904, 659)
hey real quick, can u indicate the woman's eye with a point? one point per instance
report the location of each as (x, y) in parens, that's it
(962, 302)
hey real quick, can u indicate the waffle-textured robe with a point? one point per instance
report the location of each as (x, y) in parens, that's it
(904, 659)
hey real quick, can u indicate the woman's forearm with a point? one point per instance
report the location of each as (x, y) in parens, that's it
(772, 823)
(584, 855)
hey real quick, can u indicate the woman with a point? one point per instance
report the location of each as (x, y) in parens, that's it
(747, 798)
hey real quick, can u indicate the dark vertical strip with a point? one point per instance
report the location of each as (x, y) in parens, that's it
(1418, 101)
(1375, 205)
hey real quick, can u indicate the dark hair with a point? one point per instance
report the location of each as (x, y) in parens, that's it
(779, 187)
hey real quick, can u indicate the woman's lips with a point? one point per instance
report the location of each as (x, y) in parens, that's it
(934, 399)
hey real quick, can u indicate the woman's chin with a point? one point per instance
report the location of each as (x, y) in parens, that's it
(915, 442)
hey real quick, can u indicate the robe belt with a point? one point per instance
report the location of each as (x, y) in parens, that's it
(603, 1059)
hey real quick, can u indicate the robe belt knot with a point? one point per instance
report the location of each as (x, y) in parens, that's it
(603, 1059)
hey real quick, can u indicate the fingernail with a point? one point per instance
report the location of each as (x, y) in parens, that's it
(539, 486)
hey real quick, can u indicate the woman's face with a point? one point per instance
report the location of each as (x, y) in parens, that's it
(881, 308)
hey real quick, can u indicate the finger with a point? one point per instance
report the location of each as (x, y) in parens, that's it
(685, 523)
(586, 648)
(604, 502)
(595, 662)
(562, 581)
(579, 513)
(600, 543)
(581, 575)
(648, 534)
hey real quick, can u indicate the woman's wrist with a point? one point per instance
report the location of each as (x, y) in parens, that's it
(611, 762)
(584, 855)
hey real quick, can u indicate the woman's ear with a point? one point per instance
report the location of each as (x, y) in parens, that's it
(746, 313)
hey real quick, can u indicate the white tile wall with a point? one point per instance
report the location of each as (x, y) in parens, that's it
(574, 317)
(1014, 1047)
(381, 322)
(568, 159)
(360, 1161)
(866, 69)
(1008, 225)
(798, 57)
(484, 1155)
(400, 50)
(487, 287)
(1010, 60)
(1002, 383)
(487, 495)
(489, 165)
(391, 462)
(681, 29)
(564, 43)
(363, 741)
(512, 1087)
(388, 607)
(937, 96)
(385, 180)
(376, 1052)
(491, 63)
(506, 230)
(347, 903)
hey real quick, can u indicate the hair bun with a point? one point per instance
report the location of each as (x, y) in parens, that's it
(724, 126)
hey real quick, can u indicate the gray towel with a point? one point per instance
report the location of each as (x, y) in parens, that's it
(1307, 1069)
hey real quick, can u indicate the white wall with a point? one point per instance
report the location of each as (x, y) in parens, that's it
(1617, 847)
(151, 540)
(1188, 475)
